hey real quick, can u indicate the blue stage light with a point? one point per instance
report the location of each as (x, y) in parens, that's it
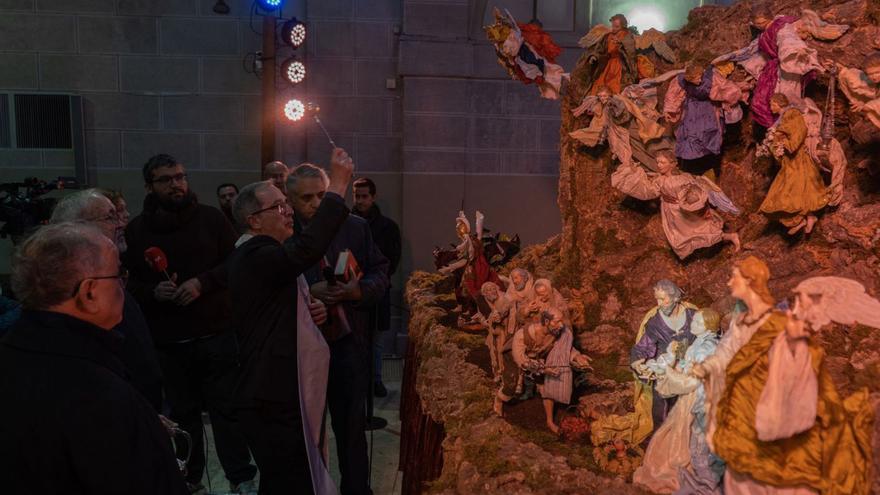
(270, 4)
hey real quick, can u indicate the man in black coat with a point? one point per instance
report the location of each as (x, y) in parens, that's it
(137, 354)
(73, 423)
(263, 273)
(386, 235)
(189, 315)
(349, 352)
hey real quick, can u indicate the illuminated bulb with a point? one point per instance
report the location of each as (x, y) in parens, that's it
(298, 35)
(270, 4)
(294, 110)
(294, 71)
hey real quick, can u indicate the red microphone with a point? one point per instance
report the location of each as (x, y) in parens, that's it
(157, 260)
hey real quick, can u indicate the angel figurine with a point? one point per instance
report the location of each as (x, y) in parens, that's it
(779, 59)
(628, 122)
(612, 58)
(778, 408)
(470, 267)
(688, 203)
(862, 89)
(700, 102)
(798, 191)
(527, 52)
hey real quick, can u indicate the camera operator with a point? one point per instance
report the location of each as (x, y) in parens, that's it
(71, 422)
(350, 376)
(137, 352)
(188, 313)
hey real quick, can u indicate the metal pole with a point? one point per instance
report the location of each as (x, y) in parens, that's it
(270, 112)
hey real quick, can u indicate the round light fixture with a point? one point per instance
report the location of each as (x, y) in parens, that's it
(270, 4)
(294, 110)
(646, 18)
(293, 70)
(293, 33)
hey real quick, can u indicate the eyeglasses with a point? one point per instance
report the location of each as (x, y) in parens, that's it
(110, 218)
(168, 179)
(281, 207)
(122, 276)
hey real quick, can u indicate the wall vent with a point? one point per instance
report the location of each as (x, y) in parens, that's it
(43, 121)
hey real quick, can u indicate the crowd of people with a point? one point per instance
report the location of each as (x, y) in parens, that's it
(129, 331)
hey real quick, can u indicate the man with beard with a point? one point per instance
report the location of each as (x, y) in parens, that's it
(543, 350)
(137, 352)
(669, 321)
(386, 235)
(226, 193)
(188, 313)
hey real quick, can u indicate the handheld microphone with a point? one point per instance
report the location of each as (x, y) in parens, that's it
(157, 260)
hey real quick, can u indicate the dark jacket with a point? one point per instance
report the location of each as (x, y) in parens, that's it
(72, 422)
(262, 283)
(138, 353)
(196, 241)
(355, 235)
(386, 235)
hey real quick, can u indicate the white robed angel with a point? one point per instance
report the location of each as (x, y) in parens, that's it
(687, 203)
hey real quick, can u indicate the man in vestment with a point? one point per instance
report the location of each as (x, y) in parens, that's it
(268, 297)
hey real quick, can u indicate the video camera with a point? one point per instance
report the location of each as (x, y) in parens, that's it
(22, 208)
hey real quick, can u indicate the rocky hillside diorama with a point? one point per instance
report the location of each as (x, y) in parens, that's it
(605, 261)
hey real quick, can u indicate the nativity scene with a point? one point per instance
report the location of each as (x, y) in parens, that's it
(695, 328)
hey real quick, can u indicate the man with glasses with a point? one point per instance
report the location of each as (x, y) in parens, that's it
(284, 359)
(72, 422)
(137, 352)
(188, 313)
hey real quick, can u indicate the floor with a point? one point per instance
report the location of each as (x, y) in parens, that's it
(385, 443)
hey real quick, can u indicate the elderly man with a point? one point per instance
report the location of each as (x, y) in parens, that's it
(137, 352)
(669, 321)
(277, 172)
(73, 422)
(544, 351)
(352, 305)
(280, 397)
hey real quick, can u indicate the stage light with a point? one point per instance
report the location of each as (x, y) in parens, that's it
(293, 33)
(293, 70)
(221, 8)
(270, 4)
(294, 110)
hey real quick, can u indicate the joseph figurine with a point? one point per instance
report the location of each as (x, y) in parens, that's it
(669, 321)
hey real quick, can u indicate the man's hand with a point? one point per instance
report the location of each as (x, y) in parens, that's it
(188, 292)
(333, 294)
(168, 424)
(318, 311)
(341, 169)
(164, 291)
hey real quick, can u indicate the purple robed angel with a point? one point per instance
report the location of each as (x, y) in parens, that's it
(701, 101)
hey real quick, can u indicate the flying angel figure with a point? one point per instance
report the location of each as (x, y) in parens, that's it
(527, 52)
